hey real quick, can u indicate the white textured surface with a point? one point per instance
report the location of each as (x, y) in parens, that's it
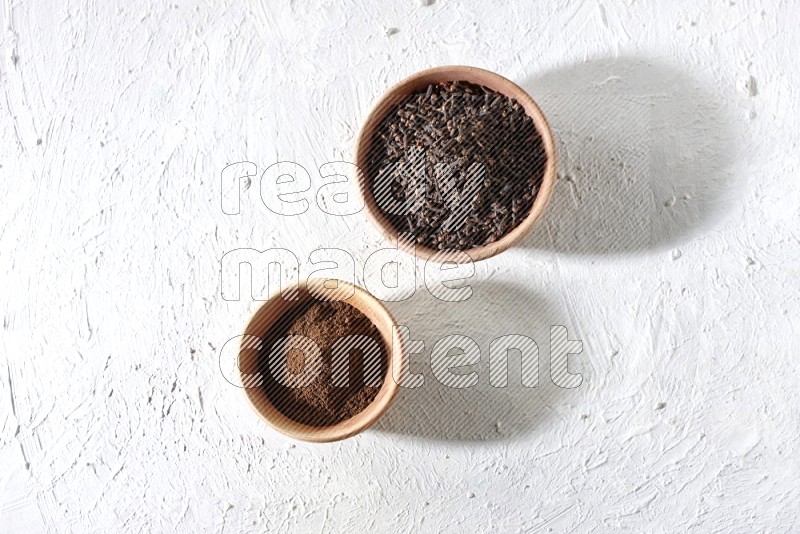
(672, 250)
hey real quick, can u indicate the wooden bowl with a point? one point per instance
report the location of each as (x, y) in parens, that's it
(419, 82)
(266, 317)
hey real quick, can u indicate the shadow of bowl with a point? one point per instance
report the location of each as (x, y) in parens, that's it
(644, 157)
(482, 412)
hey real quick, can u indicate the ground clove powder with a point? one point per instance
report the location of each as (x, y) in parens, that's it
(321, 402)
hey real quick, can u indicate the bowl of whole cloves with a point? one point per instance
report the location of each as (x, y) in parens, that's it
(456, 164)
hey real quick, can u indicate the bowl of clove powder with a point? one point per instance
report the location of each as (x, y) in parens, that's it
(318, 360)
(456, 164)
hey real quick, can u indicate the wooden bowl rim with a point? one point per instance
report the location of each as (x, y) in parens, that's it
(478, 76)
(380, 317)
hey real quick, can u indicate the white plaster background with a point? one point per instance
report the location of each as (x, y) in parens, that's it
(672, 250)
